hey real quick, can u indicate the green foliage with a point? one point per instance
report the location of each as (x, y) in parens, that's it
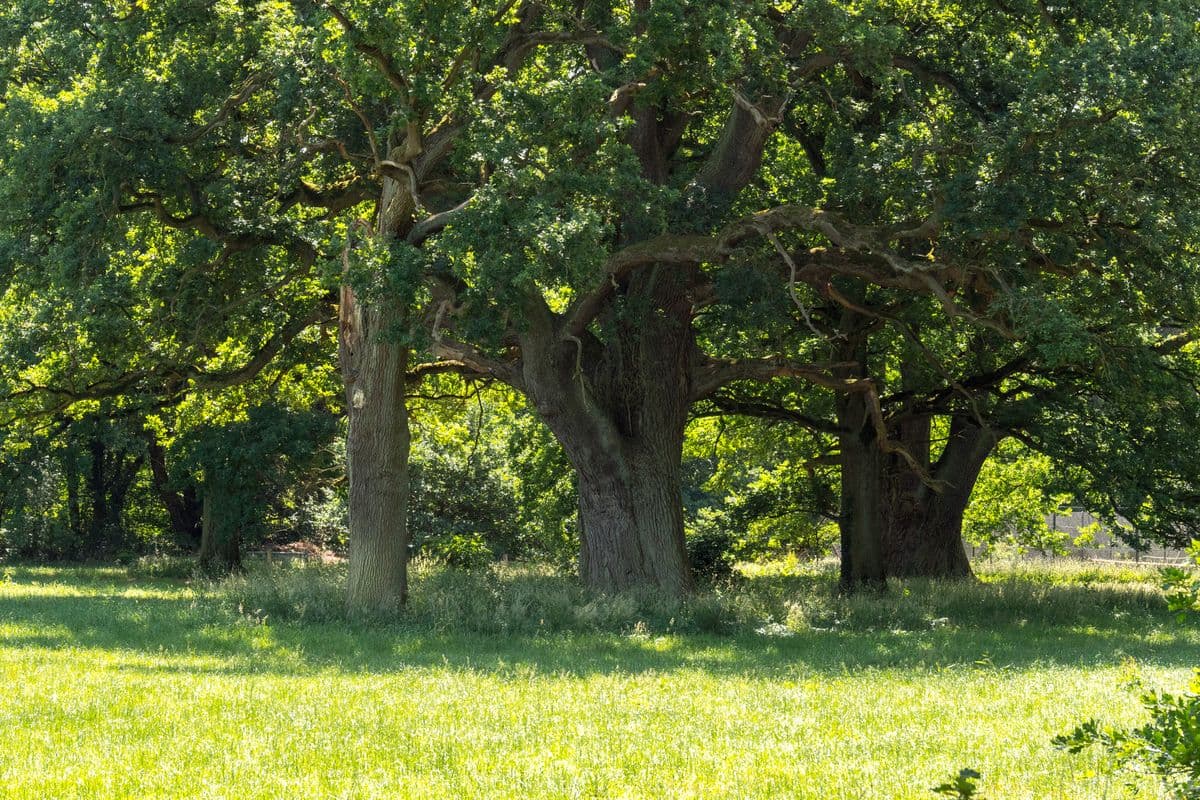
(249, 466)
(182, 184)
(488, 480)
(1087, 535)
(461, 511)
(962, 787)
(1012, 501)
(1168, 745)
(1183, 586)
(710, 546)
(752, 500)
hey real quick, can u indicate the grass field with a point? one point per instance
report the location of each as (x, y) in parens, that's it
(518, 685)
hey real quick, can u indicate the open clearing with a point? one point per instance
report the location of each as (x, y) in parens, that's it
(119, 686)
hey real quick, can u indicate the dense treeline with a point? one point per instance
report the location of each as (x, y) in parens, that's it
(586, 281)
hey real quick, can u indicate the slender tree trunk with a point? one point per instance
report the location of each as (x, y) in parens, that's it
(99, 497)
(70, 459)
(377, 449)
(618, 405)
(221, 536)
(923, 535)
(124, 473)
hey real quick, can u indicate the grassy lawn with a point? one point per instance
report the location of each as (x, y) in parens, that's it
(119, 686)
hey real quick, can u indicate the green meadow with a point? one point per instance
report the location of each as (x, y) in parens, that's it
(121, 684)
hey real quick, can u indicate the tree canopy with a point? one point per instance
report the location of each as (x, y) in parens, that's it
(913, 229)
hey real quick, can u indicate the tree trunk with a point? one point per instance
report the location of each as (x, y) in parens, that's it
(377, 448)
(70, 461)
(184, 508)
(861, 521)
(923, 531)
(220, 536)
(631, 514)
(618, 404)
(124, 474)
(98, 491)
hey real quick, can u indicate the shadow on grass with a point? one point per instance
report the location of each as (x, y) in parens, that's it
(1074, 626)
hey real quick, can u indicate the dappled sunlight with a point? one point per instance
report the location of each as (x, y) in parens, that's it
(117, 670)
(921, 626)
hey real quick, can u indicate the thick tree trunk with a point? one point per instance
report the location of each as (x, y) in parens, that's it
(220, 536)
(861, 521)
(377, 449)
(631, 514)
(923, 531)
(618, 405)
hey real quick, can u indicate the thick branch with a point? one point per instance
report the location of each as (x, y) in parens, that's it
(711, 374)
(750, 408)
(435, 223)
(476, 363)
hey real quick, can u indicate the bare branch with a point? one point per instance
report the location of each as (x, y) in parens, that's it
(726, 404)
(476, 363)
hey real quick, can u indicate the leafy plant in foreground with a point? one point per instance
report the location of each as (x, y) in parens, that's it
(1168, 746)
(962, 787)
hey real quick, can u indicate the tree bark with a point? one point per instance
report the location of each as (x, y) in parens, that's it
(374, 367)
(862, 516)
(923, 522)
(377, 450)
(184, 508)
(618, 402)
(70, 462)
(221, 536)
(98, 490)
(631, 514)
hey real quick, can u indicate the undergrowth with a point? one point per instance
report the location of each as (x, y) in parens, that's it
(771, 600)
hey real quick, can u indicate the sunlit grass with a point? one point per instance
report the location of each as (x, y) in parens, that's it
(124, 687)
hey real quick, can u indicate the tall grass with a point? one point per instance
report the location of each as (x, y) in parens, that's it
(781, 599)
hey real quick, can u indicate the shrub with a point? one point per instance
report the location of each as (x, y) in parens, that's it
(1168, 746)
(962, 787)
(709, 548)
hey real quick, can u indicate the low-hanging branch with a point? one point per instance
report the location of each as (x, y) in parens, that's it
(170, 381)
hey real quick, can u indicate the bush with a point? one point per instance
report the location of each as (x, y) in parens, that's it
(710, 549)
(1168, 746)
(460, 513)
